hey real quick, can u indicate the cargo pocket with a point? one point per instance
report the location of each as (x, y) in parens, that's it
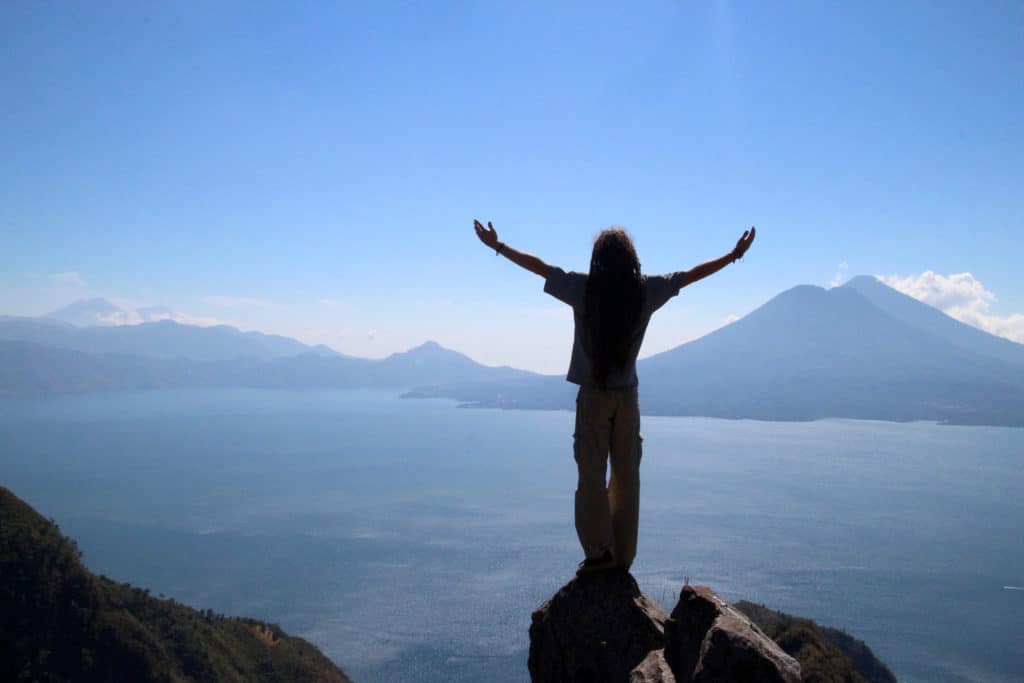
(576, 429)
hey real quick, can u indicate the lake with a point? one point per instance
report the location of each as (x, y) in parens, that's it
(411, 539)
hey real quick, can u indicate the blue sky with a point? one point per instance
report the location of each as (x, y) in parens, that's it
(315, 171)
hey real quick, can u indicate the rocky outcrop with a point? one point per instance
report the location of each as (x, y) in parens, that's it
(599, 628)
(707, 639)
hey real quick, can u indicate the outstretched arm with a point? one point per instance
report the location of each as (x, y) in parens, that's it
(489, 236)
(711, 267)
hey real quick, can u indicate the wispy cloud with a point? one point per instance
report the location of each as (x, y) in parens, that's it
(960, 296)
(236, 301)
(150, 315)
(72, 278)
(201, 320)
(840, 275)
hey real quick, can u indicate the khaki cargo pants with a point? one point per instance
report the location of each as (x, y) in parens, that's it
(608, 423)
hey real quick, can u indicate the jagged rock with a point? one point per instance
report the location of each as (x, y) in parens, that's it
(597, 628)
(710, 640)
(653, 669)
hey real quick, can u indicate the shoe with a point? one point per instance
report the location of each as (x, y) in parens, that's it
(597, 564)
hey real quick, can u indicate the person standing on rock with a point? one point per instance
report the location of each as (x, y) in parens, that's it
(611, 308)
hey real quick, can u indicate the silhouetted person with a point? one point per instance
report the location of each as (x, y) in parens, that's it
(611, 308)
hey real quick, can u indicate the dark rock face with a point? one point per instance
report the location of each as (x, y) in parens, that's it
(600, 628)
(595, 629)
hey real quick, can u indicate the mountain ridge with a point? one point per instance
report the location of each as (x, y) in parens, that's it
(807, 353)
(167, 339)
(933, 320)
(29, 369)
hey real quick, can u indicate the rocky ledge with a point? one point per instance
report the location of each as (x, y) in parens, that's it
(599, 628)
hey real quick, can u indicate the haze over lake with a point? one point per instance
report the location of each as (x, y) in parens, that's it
(411, 540)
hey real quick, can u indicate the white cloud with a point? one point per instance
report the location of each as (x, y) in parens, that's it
(143, 315)
(731, 318)
(72, 278)
(120, 318)
(200, 320)
(960, 296)
(840, 275)
(236, 302)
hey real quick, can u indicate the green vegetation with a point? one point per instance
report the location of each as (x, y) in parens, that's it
(60, 622)
(826, 655)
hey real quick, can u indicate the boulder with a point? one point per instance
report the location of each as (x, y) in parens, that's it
(599, 628)
(652, 669)
(707, 639)
(596, 629)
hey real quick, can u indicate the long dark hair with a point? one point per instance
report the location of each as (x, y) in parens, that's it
(612, 303)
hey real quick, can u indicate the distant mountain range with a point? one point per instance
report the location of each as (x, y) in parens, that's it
(89, 312)
(29, 369)
(862, 350)
(84, 326)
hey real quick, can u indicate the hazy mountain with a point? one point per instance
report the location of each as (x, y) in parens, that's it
(87, 312)
(162, 339)
(811, 353)
(101, 312)
(28, 369)
(431, 360)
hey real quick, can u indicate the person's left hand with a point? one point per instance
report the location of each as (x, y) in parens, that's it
(744, 243)
(488, 235)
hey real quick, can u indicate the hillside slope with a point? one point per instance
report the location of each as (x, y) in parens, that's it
(60, 622)
(825, 654)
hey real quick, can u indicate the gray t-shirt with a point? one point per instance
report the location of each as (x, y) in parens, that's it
(571, 288)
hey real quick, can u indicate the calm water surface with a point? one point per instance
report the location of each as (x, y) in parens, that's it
(410, 540)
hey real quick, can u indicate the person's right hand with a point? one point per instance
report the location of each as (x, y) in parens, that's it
(488, 235)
